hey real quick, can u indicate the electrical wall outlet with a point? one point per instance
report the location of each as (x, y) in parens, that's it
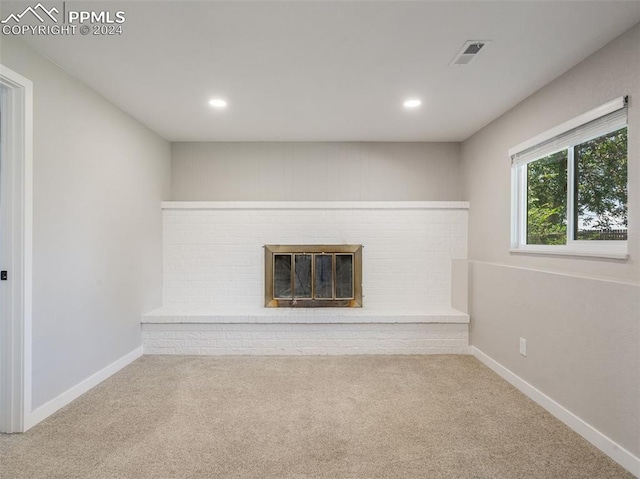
(523, 346)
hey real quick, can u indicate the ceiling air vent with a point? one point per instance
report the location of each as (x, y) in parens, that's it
(469, 51)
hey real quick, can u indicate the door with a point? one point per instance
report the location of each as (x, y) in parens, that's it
(15, 250)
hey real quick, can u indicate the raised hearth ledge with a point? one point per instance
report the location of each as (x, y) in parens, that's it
(209, 315)
(315, 205)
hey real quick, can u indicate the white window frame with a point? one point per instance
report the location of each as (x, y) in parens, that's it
(606, 248)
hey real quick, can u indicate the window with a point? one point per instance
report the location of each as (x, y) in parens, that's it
(569, 187)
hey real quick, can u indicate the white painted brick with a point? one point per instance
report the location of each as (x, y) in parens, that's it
(266, 343)
(269, 339)
(215, 256)
(237, 334)
(228, 343)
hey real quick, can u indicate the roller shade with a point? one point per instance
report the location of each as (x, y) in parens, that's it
(556, 140)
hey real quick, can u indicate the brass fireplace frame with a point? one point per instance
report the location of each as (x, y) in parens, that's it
(336, 249)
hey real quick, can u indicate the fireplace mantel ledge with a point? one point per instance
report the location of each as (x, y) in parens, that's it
(209, 315)
(315, 205)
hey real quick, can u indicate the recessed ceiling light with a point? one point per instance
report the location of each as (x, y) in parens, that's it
(218, 103)
(413, 103)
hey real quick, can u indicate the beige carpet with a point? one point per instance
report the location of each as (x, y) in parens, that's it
(298, 417)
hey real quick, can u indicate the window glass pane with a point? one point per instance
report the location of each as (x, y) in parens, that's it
(302, 276)
(547, 200)
(601, 187)
(282, 276)
(344, 276)
(324, 276)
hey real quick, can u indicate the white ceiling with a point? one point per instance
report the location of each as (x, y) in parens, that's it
(328, 71)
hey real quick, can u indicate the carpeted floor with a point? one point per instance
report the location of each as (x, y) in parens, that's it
(298, 417)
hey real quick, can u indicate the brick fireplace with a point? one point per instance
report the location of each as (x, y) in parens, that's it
(214, 279)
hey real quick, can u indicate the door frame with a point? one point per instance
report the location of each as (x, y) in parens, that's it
(16, 213)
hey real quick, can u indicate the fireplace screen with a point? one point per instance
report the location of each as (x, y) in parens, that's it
(311, 276)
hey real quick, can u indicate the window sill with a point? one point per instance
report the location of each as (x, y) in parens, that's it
(571, 252)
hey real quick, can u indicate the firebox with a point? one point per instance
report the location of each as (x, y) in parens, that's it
(312, 276)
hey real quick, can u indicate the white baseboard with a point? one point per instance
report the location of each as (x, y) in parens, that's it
(78, 390)
(595, 437)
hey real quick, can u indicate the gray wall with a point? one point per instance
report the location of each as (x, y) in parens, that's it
(611, 72)
(581, 317)
(98, 180)
(315, 171)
